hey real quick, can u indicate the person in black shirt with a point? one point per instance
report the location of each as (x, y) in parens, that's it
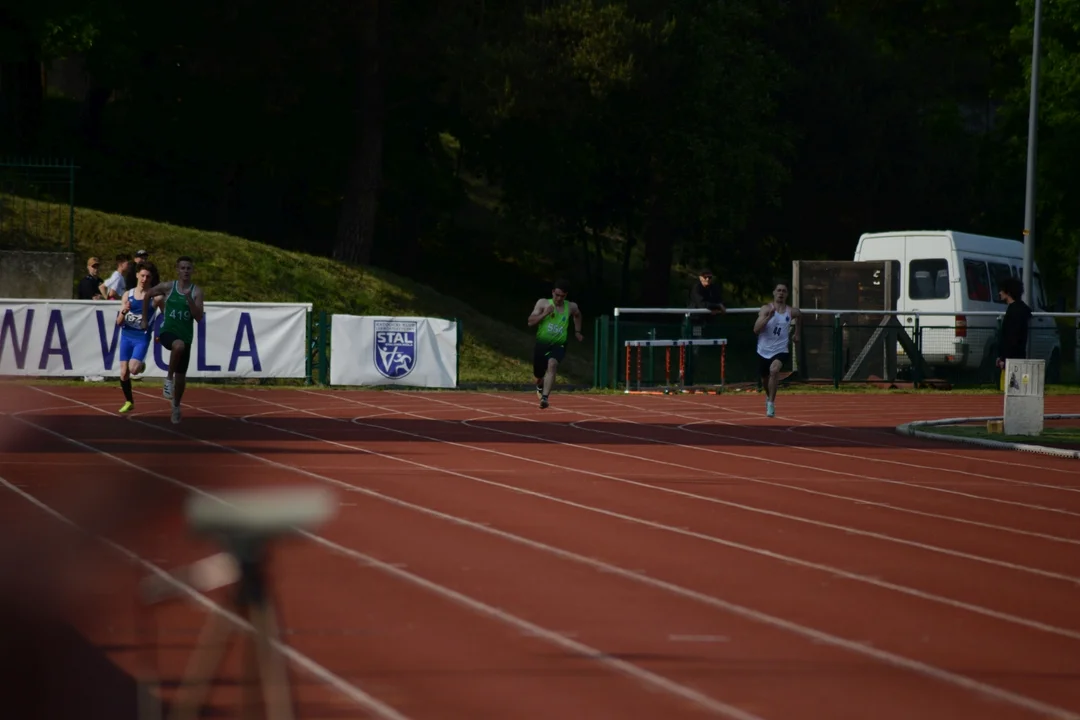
(705, 293)
(131, 276)
(89, 286)
(1014, 328)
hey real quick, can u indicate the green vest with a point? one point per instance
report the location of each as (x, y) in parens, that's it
(178, 320)
(553, 329)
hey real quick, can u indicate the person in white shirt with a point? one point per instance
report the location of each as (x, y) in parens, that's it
(773, 329)
(114, 287)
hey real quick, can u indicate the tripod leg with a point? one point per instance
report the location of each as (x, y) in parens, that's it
(272, 670)
(205, 660)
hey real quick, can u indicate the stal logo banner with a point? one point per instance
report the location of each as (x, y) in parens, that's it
(410, 351)
(76, 338)
(395, 347)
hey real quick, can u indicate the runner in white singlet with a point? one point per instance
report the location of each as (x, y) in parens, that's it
(773, 329)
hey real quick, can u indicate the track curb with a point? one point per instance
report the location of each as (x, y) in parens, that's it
(911, 429)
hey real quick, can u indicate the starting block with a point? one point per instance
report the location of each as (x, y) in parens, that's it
(1024, 400)
(681, 344)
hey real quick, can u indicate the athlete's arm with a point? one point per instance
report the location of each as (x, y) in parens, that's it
(763, 316)
(195, 303)
(124, 307)
(541, 309)
(158, 290)
(158, 302)
(575, 313)
(796, 325)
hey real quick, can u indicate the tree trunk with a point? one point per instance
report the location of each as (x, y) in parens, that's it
(92, 113)
(22, 90)
(598, 253)
(590, 275)
(659, 251)
(628, 249)
(356, 223)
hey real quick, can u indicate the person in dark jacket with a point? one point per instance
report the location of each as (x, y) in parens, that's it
(90, 285)
(704, 293)
(1014, 328)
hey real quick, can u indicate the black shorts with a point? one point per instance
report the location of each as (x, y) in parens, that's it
(167, 339)
(542, 353)
(764, 363)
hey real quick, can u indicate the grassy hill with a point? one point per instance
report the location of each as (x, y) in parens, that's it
(236, 269)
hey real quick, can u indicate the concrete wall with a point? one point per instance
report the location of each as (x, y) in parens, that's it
(45, 275)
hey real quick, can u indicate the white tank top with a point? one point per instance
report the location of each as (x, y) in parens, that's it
(773, 340)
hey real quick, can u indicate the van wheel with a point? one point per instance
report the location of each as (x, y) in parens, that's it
(1053, 369)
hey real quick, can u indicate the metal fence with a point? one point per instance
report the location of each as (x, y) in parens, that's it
(837, 347)
(37, 202)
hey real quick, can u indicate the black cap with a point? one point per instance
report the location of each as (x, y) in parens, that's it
(705, 273)
(142, 253)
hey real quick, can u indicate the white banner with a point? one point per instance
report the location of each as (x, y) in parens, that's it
(76, 338)
(410, 351)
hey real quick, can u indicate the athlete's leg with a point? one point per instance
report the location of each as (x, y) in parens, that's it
(774, 378)
(179, 383)
(555, 355)
(549, 380)
(137, 362)
(167, 342)
(773, 383)
(539, 367)
(763, 373)
(178, 366)
(127, 348)
(125, 385)
(175, 357)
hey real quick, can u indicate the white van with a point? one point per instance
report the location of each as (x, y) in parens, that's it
(957, 273)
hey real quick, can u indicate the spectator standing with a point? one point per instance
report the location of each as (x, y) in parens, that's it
(115, 286)
(90, 288)
(90, 285)
(1014, 328)
(130, 277)
(704, 293)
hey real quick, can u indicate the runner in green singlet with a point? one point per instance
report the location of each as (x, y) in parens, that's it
(182, 307)
(552, 316)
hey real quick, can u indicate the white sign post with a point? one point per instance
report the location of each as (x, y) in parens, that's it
(405, 351)
(1024, 397)
(77, 338)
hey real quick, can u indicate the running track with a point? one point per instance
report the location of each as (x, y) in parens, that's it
(610, 557)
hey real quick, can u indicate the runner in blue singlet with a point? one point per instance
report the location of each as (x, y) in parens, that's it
(136, 323)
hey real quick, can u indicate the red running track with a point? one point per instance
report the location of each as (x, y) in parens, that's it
(612, 556)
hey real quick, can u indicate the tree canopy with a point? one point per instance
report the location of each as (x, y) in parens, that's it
(614, 141)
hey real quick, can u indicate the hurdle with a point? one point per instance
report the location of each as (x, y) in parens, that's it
(681, 344)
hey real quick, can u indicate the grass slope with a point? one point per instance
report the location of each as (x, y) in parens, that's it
(235, 269)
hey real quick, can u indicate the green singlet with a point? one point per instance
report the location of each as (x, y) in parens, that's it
(554, 328)
(178, 320)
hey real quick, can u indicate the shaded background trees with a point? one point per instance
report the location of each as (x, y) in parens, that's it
(486, 147)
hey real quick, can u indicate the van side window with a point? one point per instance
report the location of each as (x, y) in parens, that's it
(978, 280)
(1039, 302)
(998, 272)
(928, 279)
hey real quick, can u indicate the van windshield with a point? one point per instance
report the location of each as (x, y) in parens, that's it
(928, 279)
